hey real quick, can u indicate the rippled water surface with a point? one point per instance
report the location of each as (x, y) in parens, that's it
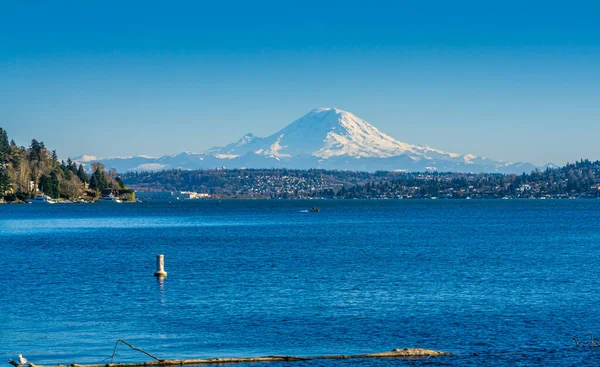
(502, 282)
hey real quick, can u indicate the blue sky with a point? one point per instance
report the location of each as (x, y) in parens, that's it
(517, 81)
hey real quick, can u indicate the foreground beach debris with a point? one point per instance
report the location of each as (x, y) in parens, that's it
(22, 361)
(593, 343)
(396, 353)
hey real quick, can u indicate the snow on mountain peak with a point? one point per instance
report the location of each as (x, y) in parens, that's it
(324, 137)
(326, 109)
(327, 132)
(245, 139)
(85, 158)
(236, 148)
(330, 132)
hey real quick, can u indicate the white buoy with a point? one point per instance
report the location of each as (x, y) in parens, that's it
(160, 266)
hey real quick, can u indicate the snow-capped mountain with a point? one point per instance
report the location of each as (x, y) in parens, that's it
(323, 138)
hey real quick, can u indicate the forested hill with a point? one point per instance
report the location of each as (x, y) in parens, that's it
(27, 171)
(574, 180)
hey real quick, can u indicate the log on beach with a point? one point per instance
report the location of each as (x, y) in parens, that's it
(396, 353)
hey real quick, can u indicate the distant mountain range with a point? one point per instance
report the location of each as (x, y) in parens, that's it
(326, 138)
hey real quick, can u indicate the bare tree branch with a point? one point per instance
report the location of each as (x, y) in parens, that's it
(132, 347)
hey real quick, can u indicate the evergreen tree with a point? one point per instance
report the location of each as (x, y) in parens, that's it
(94, 184)
(98, 180)
(102, 180)
(72, 166)
(54, 185)
(44, 184)
(120, 182)
(82, 175)
(49, 185)
(67, 173)
(35, 150)
(4, 146)
(4, 180)
(15, 157)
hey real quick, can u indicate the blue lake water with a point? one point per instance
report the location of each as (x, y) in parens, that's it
(505, 282)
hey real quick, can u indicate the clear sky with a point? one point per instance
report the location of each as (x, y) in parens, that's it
(512, 80)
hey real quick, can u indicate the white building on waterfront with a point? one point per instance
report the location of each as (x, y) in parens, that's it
(168, 196)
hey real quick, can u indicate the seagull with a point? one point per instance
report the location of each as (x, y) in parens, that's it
(22, 360)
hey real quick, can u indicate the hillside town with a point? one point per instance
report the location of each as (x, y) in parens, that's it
(575, 180)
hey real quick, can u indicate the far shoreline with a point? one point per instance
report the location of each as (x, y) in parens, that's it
(308, 199)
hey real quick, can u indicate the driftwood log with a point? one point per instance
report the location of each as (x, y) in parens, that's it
(396, 353)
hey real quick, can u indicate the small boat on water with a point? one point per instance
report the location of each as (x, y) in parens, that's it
(314, 210)
(109, 199)
(42, 199)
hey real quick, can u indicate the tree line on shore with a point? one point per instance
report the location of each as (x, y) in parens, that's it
(574, 180)
(578, 179)
(27, 171)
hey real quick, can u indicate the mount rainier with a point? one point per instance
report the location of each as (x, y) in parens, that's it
(326, 138)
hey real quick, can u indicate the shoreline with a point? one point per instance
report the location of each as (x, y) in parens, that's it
(313, 199)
